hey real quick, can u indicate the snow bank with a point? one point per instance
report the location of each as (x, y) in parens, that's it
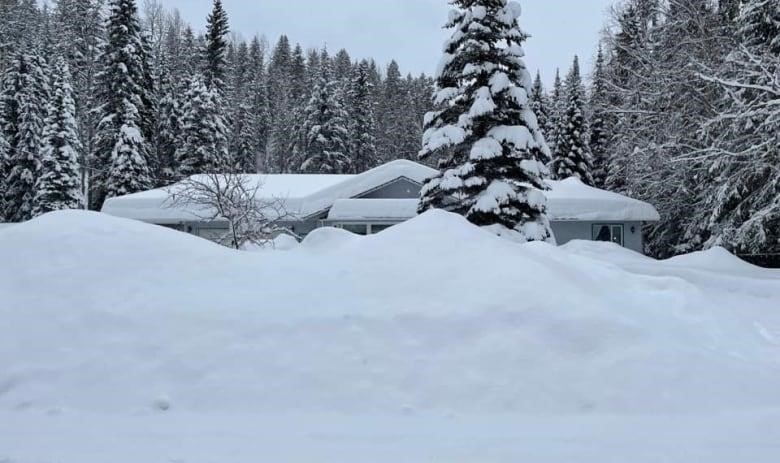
(109, 317)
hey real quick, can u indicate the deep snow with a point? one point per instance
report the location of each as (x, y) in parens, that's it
(432, 340)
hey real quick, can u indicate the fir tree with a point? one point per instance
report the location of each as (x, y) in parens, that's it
(540, 105)
(125, 90)
(169, 120)
(324, 130)
(391, 107)
(484, 133)
(128, 171)
(557, 107)
(361, 115)
(598, 121)
(215, 64)
(572, 157)
(23, 97)
(59, 185)
(203, 146)
(258, 96)
(745, 206)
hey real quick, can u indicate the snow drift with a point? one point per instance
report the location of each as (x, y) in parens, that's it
(102, 314)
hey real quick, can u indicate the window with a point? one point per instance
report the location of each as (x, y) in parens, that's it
(375, 228)
(612, 233)
(356, 228)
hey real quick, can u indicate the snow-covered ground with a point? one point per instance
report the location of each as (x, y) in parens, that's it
(431, 341)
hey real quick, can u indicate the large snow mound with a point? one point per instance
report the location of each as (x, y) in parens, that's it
(103, 314)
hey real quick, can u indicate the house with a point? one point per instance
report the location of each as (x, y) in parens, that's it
(387, 195)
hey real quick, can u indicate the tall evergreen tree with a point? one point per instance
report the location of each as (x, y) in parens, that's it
(745, 206)
(362, 125)
(557, 107)
(490, 150)
(78, 34)
(598, 121)
(58, 186)
(126, 95)
(572, 157)
(203, 147)
(215, 64)
(324, 130)
(128, 172)
(391, 107)
(258, 96)
(540, 105)
(169, 128)
(23, 97)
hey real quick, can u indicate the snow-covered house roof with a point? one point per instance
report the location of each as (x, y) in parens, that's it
(373, 209)
(340, 196)
(571, 199)
(304, 195)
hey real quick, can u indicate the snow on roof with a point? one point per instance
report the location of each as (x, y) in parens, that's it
(571, 199)
(365, 182)
(304, 194)
(373, 209)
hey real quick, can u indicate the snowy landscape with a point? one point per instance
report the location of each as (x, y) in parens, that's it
(215, 249)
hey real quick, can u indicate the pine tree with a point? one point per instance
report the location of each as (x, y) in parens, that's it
(572, 157)
(281, 107)
(78, 34)
(215, 65)
(557, 108)
(125, 90)
(258, 97)
(203, 146)
(324, 129)
(391, 110)
(745, 206)
(541, 108)
(598, 121)
(169, 120)
(128, 172)
(361, 115)
(23, 97)
(59, 185)
(490, 150)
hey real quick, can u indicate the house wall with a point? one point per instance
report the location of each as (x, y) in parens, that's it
(583, 230)
(399, 189)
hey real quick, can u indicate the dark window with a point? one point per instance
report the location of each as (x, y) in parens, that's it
(612, 233)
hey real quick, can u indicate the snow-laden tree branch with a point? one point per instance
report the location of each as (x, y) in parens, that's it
(236, 199)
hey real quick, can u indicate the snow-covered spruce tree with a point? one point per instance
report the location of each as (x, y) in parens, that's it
(361, 116)
(125, 90)
(169, 122)
(258, 96)
(128, 172)
(203, 146)
(324, 129)
(485, 134)
(78, 33)
(391, 106)
(557, 107)
(598, 121)
(215, 65)
(59, 184)
(23, 97)
(572, 156)
(745, 208)
(540, 105)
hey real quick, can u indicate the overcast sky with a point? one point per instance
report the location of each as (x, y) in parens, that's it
(409, 31)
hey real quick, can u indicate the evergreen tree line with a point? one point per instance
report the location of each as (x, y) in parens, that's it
(682, 110)
(101, 98)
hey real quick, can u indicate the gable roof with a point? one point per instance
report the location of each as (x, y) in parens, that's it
(308, 195)
(304, 194)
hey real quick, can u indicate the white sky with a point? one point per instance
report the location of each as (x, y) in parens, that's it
(409, 31)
